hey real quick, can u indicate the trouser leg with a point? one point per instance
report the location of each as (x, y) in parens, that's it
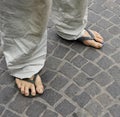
(70, 17)
(24, 35)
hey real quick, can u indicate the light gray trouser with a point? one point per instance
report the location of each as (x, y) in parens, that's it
(23, 25)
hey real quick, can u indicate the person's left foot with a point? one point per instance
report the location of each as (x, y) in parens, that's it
(26, 87)
(97, 42)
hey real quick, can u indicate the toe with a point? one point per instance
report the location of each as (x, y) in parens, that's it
(98, 37)
(93, 43)
(39, 85)
(22, 89)
(33, 92)
(40, 89)
(26, 91)
(18, 82)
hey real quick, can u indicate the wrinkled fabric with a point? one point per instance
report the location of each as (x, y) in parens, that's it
(24, 34)
(70, 18)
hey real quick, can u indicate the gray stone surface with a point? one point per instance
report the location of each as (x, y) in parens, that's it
(103, 79)
(8, 113)
(93, 89)
(82, 79)
(82, 99)
(65, 108)
(114, 89)
(115, 110)
(79, 81)
(105, 99)
(59, 82)
(72, 90)
(91, 69)
(34, 107)
(68, 70)
(94, 108)
(49, 113)
(51, 97)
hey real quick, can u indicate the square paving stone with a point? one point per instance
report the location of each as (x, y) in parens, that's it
(107, 36)
(7, 94)
(93, 89)
(81, 113)
(66, 42)
(50, 96)
(72, 90)
(94, 108)
(50, 47)
(97, 29)
(93, 17)
(115, 42)
(106, 115)
(107, 13)
(60, 51)
(82, 99)
(8, 113)
(78, 47)
(6, 79)
(68, 70)
(115, 110)
(87, 54)
(103, 79)
(115, 19)
(115, 30)
(65, 108)
(97, 8)
(48, 76)
(115, 72)
(116, 57)
(105, 99)
(104, 23)
(79, 61)
(90, 69)
(114, 89)
(52, 63)
(49, 113)
(1, 109)
(35, 109)
(20, 103)
(70, 55)
(105, 62)
(82, 79)
(59, 82)
(108, 49)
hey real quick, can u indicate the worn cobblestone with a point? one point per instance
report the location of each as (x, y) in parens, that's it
(65, 108)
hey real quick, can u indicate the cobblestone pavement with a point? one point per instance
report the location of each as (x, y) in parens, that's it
(80, 81)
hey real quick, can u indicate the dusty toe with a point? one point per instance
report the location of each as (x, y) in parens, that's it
(39, 85)
(33, 91)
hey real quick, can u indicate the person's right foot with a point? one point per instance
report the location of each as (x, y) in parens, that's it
(26, 87)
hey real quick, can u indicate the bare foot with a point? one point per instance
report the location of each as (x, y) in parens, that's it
(26, 87)
(97, 42)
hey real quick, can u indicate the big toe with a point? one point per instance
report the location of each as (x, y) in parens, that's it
(39, 85)
(40, 89)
